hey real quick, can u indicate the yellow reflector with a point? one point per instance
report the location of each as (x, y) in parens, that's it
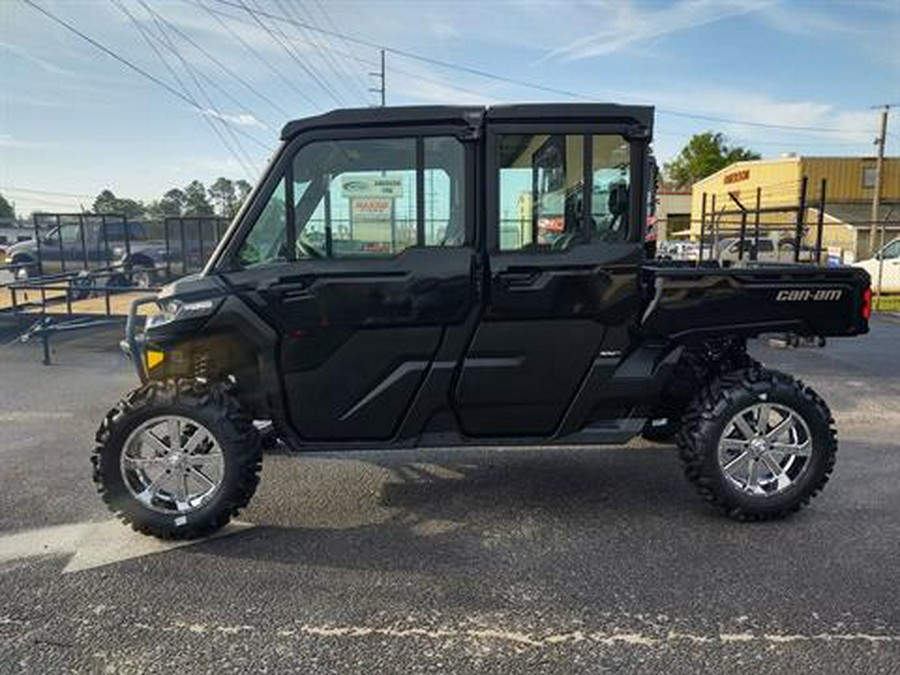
(154, 359)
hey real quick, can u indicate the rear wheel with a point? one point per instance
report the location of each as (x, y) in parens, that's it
(758, 444)
(694, 371)
(177, 459)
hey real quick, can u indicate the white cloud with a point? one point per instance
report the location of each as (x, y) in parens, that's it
(242, 119)
(43, 64)
(626, 23)
(856, 128)
(10, 142)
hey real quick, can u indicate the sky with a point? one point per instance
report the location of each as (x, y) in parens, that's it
(229, 73)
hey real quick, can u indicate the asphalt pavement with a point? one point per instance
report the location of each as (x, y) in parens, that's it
(452, 560)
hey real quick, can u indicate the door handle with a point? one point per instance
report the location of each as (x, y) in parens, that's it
(288, 288)
(288, 291)
(519, 276)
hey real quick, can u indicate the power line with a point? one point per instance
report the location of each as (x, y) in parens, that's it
(247, 163)
(10, 188)
(145, 35)
(307, 69)
(354, 57)
(336, 66)
(109, 52)
(260, 57)
(531, 85)
(360, 82)
(187, 38)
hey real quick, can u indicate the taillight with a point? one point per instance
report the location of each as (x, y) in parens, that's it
(867, 303)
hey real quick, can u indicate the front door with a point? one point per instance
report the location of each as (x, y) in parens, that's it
(362, 260)
(564, 252)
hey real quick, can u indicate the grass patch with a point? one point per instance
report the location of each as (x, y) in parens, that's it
(886, 303)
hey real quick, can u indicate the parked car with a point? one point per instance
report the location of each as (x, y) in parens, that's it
(888, 259)
(771, 248)
(678, 250)
(582, 341)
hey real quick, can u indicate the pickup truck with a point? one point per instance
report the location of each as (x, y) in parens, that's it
(447, 276)
(89, 244)
(123, 247)
(884, 266)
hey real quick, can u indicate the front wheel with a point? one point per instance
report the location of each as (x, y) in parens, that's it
(758, 444)
(177, 459)
(143, 276)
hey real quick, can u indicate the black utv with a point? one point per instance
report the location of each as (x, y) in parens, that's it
(435, 276)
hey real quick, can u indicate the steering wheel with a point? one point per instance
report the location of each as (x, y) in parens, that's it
(308, 250)
(561, 243)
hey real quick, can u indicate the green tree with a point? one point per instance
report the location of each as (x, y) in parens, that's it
(243, 189)
(222, 192)
(704, 154)
(107, 202)
(172, 203)
(195, 201)
(6, 209)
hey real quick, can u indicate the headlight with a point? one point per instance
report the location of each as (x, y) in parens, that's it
(175, 310)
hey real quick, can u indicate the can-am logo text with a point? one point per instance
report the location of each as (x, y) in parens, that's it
(802, 295)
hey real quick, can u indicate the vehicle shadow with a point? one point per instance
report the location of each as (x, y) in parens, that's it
(427, 510)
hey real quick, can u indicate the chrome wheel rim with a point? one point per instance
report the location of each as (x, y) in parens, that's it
(172, 464)
(141, 279)
(765, 449)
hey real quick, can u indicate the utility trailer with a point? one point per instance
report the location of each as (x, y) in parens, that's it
(424, 276)
(81, 271)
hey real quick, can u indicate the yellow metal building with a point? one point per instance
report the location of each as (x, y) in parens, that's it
(848, 199)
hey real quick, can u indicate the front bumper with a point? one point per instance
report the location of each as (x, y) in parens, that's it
(133, 344)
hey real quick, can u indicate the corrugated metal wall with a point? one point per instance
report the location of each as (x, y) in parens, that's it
(780, 180)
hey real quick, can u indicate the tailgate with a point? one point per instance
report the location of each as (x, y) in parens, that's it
(804, 300)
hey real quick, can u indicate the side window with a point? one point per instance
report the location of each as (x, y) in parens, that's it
(444, 178)
(362, 198)
(610, 178)
(70, 233)
(543, 196)
(265, 242)
(541, 190)
(892, 250)
(868, 176)
(361, 193)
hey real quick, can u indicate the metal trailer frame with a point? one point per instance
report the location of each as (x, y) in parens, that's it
(86, 276)
(715, 219)
(219, 224)
(45, 326)
(37, 217)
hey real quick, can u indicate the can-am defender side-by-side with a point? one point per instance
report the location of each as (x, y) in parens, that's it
(434, 276)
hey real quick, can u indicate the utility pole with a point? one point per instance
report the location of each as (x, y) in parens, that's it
(380, 76)
(876, 196)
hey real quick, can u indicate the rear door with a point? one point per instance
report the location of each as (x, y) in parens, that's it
(563, 251)
(381, 267)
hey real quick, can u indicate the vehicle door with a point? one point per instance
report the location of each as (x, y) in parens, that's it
(886, 264)
(360, 254)
(61, 249)
(564, 246)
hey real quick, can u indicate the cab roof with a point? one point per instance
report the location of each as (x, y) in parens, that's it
(474, 116)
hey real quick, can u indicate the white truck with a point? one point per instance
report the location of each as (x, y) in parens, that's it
(888, 258)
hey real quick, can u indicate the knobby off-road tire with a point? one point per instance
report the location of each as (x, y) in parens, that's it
(230, 451)
(692, 373)
(710, 439)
